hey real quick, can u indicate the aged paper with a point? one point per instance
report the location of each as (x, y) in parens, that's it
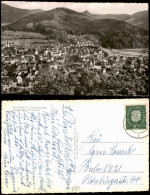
(75, 146)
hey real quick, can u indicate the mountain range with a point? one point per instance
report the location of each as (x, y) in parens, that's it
(139, 19)
(117, 31)
(11, 14)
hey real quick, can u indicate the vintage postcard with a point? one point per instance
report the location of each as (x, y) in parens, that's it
(75, 146)
(72, 48)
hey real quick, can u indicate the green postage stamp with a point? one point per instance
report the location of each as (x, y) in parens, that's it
(135, 117)
(136, 121)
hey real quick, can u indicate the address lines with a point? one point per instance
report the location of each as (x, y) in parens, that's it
(128, 172)
(113, 143)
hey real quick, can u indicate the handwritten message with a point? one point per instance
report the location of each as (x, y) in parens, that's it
(38, 149)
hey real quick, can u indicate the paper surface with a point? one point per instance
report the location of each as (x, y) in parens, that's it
(75, 146)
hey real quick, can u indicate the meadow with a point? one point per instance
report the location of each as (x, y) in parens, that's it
(128, 52)
(22, 37)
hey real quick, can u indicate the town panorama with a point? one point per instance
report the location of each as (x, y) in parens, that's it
(62, 51)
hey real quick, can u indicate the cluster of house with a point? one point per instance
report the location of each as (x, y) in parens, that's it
(116, 65)
(24, 64)
(53, 54)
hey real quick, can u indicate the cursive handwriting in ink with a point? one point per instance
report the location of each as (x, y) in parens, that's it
(94, 137)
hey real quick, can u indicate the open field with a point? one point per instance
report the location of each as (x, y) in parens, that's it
(22, 42)
(128, 52)
(21, 34)
(21, 37)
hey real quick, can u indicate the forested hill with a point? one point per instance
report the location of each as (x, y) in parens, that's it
(112, 33)
(139, 19)
(11, 14)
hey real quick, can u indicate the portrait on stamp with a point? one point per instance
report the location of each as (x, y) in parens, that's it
(136, 117)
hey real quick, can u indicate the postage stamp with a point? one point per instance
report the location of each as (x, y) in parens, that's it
(136, 121)
(136, 117)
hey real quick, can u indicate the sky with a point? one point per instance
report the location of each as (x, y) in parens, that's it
(94, 8)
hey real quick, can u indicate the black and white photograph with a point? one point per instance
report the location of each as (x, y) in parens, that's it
(77, 49)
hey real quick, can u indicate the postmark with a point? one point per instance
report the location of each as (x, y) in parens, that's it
(136, 121)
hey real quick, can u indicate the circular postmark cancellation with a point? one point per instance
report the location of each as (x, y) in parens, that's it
(136, 121)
